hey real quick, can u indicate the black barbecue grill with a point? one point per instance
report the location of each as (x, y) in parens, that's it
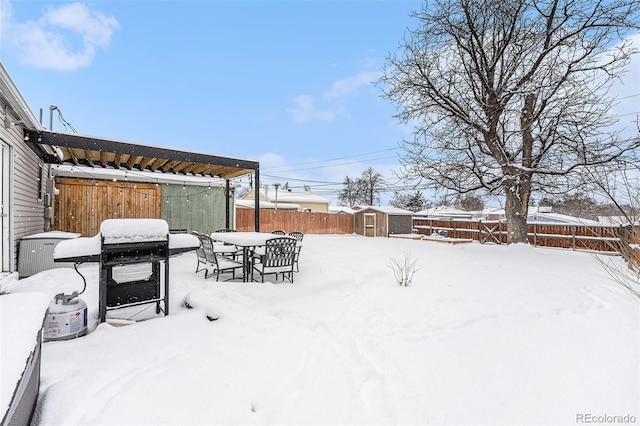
(130, 265)
(131, 274)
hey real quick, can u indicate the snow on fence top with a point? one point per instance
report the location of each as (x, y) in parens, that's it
(133, 230)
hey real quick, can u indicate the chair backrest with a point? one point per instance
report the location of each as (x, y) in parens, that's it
(279, 252)
(207, 246)
(226, 230)
(200, 250)
(297, 235)
(279, 232)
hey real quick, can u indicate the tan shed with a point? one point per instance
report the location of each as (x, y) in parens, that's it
(374, 221)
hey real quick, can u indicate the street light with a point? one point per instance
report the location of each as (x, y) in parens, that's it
(276, 186)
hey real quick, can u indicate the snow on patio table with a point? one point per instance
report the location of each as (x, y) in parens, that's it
(486, 334)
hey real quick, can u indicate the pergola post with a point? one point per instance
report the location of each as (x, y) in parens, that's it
(257, 200)
(227, 192)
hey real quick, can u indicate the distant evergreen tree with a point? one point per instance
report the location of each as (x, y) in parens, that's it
(412, 202)
(471, 203)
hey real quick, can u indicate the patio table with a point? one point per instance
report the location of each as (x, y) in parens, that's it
(246, 240)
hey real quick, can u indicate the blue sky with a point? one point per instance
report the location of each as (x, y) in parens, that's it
(282, 82)
(287, 83)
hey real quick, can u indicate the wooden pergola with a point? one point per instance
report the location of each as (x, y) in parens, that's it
(88, 151)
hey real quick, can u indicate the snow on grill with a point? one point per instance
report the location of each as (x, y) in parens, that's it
(115, 231)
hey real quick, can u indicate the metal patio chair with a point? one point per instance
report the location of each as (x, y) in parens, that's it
(279, 232)
(234, 252)
(276, 257)
(218, 262)
(298, 236)
(200, 254)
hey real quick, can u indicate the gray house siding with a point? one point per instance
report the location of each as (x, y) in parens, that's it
(27, 209)
(23, 180)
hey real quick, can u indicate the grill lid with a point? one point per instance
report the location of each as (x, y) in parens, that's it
(116, 231)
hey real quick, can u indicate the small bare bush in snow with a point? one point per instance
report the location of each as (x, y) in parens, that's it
(404, 269)
(627, 275)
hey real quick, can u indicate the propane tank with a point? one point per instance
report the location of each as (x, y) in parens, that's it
(66, 318)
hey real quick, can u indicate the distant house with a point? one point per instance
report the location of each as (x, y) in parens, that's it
(544, 214)
(559, 219)
(305, 201)
(341, 210)
(383, 221)
(251, 204)
(443, 212)
(616, 220)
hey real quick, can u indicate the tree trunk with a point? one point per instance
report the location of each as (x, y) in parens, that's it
(518, 187)
(516, 212)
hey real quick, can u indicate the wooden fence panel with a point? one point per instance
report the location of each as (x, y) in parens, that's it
(81, 206)
(576, 237)
(289, 221)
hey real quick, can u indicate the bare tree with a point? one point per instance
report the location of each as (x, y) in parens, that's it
(621, 189)
(364, 190)
(510, 96)
(350, 193)
(371, 184)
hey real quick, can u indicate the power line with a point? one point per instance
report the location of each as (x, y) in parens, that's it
(629, 96)
(286, 168)
(297, 180)
(335, 165)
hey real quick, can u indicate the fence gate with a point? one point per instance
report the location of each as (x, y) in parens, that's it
(490, 232)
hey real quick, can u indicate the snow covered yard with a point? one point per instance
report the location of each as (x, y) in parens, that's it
(485, 334)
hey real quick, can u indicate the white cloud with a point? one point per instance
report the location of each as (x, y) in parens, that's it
(48, 41)
(271, 159)
(306, 110)
(350, 86)
(330, 105)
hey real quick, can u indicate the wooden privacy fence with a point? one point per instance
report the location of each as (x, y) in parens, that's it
(576, 237)
(289, 221)
(81, 205)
